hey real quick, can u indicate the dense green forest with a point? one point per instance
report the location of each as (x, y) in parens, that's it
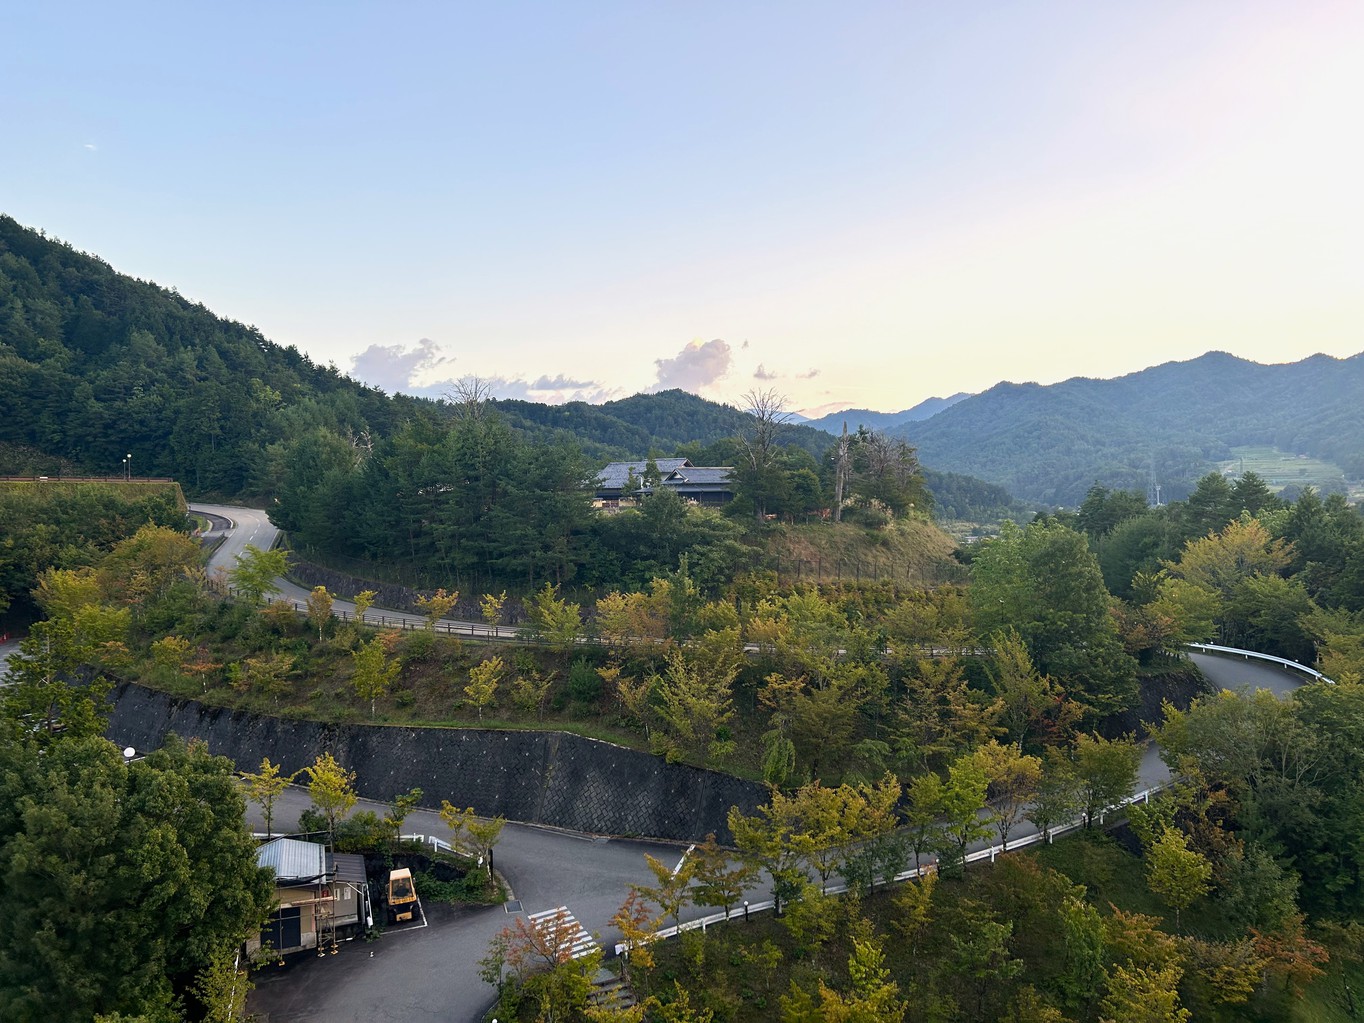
(98, 365)
(890, 719)
(892, 723)
(54, 524)
(1164, 425)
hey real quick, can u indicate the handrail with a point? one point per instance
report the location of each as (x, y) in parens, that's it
(1283, 662)
(990, 853)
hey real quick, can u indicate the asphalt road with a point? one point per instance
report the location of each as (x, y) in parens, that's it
(253, 526)
(430, 974)
(415, 975)
(7, 649)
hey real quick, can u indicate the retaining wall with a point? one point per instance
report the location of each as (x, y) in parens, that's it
(549, 778)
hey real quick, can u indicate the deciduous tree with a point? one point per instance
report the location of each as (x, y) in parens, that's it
(265, 787)
(1177, 874)
(257, 571)
(319, 608)
(695, 706)
(483, 681)
(331, 788)
(436, 606)
(1106, 770)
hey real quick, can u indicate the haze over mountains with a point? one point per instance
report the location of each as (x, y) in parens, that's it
(95, 365)
(1168, 424)
(856, 418)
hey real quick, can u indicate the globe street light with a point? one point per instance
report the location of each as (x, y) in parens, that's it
(128, 466)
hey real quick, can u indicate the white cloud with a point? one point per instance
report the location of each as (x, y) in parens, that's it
(425, 371)
(551, 390)
(763, 373)
(422, 370)
(697, 366)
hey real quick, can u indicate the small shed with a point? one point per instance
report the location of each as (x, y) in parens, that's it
(321, 897)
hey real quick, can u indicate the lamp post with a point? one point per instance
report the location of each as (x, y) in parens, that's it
(128, 466)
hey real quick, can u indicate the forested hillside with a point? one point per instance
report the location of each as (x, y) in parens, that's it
(1052, 443)
(635, 426)
(97, 366)
(856, 418)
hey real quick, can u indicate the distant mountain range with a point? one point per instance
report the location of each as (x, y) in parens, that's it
(1168, 424)
(882, 422)
(95, 365)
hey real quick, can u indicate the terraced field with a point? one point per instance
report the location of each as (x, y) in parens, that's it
(1282, 469)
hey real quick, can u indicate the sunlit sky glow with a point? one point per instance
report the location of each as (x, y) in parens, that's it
(855, 204)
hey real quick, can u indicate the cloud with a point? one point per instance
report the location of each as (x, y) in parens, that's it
(809, 374)
(698, 365)
(763, 373)
(415, 370)
(424, 371)
(551, 390)
(91, 146)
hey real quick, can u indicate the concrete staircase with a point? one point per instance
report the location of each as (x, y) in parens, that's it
(610, 992)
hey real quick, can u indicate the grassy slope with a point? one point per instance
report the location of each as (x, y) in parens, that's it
(909, 552)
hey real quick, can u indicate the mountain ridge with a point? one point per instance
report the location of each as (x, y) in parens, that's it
(1171, 421)
(832, 422)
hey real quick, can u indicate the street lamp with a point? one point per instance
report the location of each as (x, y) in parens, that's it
(128, 466)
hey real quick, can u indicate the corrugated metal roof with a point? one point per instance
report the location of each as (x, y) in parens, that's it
(293, 859)
(350, 867)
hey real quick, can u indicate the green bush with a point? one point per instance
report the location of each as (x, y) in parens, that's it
(361, 832)
(584, 684)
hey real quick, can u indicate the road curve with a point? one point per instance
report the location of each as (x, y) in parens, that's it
(253, 526)
(432, 974)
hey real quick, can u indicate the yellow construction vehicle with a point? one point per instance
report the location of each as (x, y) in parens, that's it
(402, 895)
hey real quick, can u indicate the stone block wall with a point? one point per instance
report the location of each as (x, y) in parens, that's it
(552, 778)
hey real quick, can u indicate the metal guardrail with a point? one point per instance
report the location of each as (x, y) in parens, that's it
(990, 853)
(1283, 662)
(446, 626)
(435, 843)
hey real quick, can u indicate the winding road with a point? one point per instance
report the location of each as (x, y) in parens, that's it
(253, 526)
(431, 974)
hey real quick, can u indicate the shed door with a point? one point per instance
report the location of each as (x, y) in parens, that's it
(285, 929)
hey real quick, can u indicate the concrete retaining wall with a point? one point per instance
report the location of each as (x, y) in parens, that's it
(549, 778)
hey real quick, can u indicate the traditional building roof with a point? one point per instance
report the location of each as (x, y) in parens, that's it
(617, 474)
(705, 475)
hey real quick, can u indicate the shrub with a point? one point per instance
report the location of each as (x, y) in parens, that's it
(584, 684)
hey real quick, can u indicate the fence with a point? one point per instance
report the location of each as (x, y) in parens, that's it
(1283, 662)
(990, 853)
(994, 851)
(413, 623)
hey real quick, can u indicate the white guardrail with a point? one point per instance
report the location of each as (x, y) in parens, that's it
(989, 853)
(995, 850)
(412, 623)
(1283, 662)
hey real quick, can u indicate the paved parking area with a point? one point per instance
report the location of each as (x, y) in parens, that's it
(419, 972)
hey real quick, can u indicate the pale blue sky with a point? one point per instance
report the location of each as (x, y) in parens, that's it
(856, 204)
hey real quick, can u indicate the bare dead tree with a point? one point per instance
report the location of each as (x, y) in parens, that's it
(759, 440)
(470, 397)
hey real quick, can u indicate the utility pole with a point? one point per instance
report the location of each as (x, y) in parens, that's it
(840, 472)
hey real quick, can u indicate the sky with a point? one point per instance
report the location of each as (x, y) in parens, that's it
(853, 205)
